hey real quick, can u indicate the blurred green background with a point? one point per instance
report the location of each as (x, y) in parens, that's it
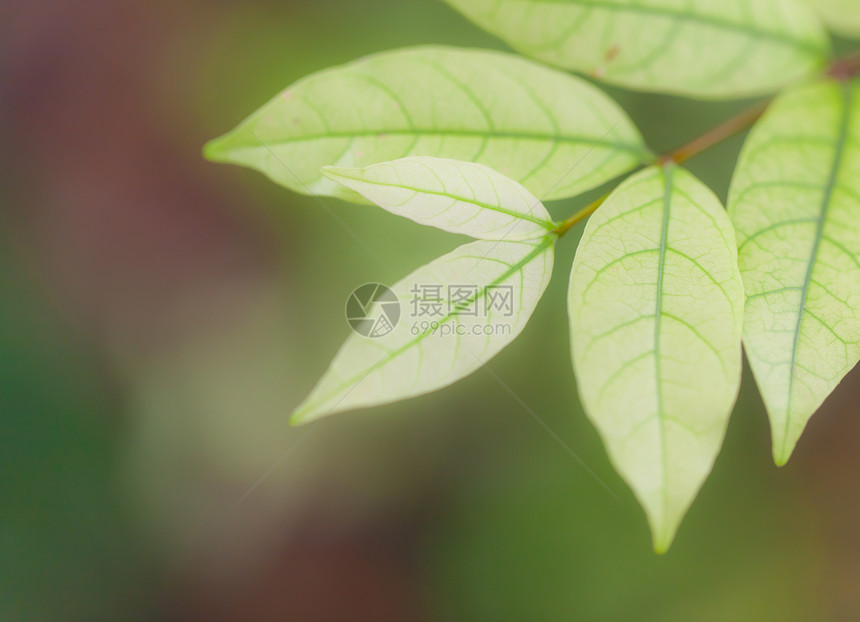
(160, 317)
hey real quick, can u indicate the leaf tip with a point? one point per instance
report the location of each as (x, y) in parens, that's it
(309, 411)
(350, 178)
(783, 447)
(214, 150)
(662, 539)
(228, 147)
(781, 455)
(301, 416)
(338, 174)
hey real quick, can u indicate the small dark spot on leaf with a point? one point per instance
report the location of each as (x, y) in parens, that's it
(612, 53)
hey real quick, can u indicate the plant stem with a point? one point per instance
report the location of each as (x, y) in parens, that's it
(733, 126)
(585, 212)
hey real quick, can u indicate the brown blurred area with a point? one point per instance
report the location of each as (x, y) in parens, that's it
(830, 470)
(127, 219)
(139, 249)
(179, 292)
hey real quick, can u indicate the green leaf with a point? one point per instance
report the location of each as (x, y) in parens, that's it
(795, 203)
(554, 133)
(460, 197)
(842, 16)
(700, 48)
(655, 307)
(432, 346)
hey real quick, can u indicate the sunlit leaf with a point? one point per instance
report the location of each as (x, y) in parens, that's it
(795, 203)
(655, 307)
(554, 133)
(456, 313)
(460, 197)
(842, 16)
(702, 48)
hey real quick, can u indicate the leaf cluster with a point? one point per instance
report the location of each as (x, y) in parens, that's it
(667, 284)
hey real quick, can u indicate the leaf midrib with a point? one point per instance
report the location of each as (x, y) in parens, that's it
(547, 242)
(691, 17)
(594, 141)
(546, 224)
(664, 235)
(841, 142)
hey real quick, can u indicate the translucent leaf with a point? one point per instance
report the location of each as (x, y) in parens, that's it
(843, 16)
(655, 307)
(460, 197)
(699, 48)
(554, 133)
(795, 203)
(456, 313)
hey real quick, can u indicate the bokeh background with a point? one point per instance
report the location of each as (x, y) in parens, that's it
(160, 316)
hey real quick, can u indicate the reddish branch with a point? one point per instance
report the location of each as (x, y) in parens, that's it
(846, 67)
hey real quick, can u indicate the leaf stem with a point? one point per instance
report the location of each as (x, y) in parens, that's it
(722, 132)
(735, 125)
(566, 225)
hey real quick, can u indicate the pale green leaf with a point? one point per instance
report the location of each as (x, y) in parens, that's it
(554, 133)
(795, 203)
(460, 197)
(655, 307)
(842, 16)
(415, 359)
(700, 48)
